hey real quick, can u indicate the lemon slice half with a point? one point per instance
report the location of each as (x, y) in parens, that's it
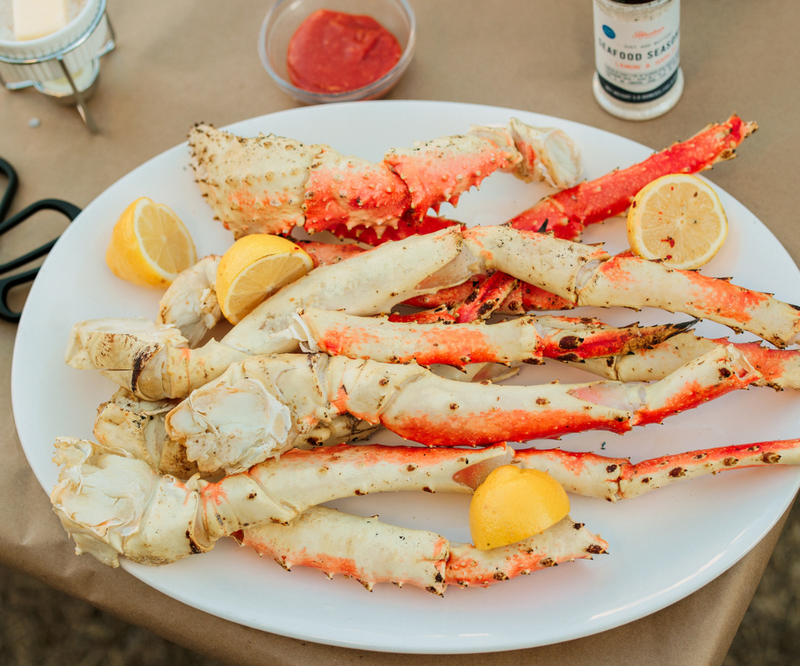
(149, 245)
(254, 268)
(513, 504)
(678, 219)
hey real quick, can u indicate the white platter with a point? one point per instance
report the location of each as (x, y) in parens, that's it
(664, 545)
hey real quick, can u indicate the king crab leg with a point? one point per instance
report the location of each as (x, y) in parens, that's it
(258, 407)
(112, 505)
(336, 548)
(778, 368)
(374, 552)
(568, 212)
(270, 184)
(588, 276)
(648, 475)
(613, 479)
(522, 340)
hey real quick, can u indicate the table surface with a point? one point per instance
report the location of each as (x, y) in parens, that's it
(186, 61)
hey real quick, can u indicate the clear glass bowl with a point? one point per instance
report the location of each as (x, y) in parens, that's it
(286, 16)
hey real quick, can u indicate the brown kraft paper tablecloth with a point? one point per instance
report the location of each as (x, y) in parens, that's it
(184, 61)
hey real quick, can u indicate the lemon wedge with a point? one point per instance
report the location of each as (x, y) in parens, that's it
(513, 504)
(253, 269)
(149, 245)
(678, 219)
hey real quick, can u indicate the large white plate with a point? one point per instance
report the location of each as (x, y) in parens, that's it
(664, 545)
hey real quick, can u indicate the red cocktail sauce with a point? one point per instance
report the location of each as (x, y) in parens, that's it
(335, 52)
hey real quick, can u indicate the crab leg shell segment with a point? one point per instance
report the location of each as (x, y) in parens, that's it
(570, 338)
(323, 254)
(151, 360)
(277, 490)
(382, 340)
(569, 211)
(253, 185)
(658, 472)
(526, 339)
(190, 303)
(707, 377)
(136, 427)
(592, 475)
(563, 542)
(486, 299)
(778, 368)
(539, 259)
(636, 283)
(251, 412)
(443, 413)
(527, 297)
(115, 505)
(352, 192)
(364, 548)
(521, 299)
(547, 154)
(586, 474)
(443, 169)
(653, 364)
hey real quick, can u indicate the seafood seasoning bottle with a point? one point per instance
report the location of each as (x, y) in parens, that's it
(637, 57)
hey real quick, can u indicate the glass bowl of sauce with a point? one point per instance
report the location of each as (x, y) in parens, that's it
(322, 51)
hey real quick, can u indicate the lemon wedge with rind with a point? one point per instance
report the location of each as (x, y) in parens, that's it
(254, 268)
(149, 245)
(513, 504)
(679, 220)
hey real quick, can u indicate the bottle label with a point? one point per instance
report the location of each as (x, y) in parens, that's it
(637, 61)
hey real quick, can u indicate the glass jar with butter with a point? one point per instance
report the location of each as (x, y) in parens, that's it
(54, 46)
